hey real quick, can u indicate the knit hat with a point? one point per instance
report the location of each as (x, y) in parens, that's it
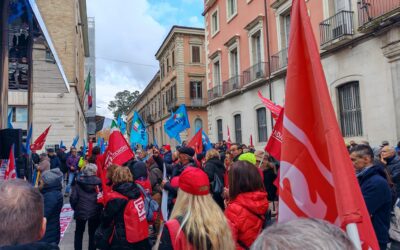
(90, 169)
(194, 181)
(186, 150)
(249, 157)
(167, 147)
(52, 176)
(139, 170)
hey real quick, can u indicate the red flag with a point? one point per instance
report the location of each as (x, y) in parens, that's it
(274, 143)
(10, 170)
(90, 148)
(317, 178)
(274, 108)
(197, 143)
(251, 140)
(40, 141)
(229, 142)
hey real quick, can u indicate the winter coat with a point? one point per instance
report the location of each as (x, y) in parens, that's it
(54, 162)
(84, 197)
(44, 165)
(168, 157)
(53, 203)
(32, 246)
(155, 177)
(378, 198)
(114, 214)
(213, 167)
(244, 214)
(72, 163)
(63, 160)
(393, 165)
(269, 178)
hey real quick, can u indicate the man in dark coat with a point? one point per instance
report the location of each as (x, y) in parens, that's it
(50, 186)
(214, 168)
(22, 221)
(167, 154)
(375, 189)
(54, 160)
(392, 162)
(62, 156)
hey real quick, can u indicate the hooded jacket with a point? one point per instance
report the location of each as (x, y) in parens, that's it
(54, 162)
(114, 214)
(214, 166)
(378, 198)
(244, 214)
(84, 197)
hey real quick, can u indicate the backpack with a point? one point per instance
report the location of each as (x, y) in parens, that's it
(217, 187)
(136, 226)
(150, 204)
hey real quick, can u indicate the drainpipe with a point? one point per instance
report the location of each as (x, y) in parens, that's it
(269, 55)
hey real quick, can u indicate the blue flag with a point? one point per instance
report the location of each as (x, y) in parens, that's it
(138, 131)
(206, 141)
(155, 142)
(103, 146)
(28, 140)
(61, 144)
(75, 141)
(9, 124)
(177, 123)
(84, 148)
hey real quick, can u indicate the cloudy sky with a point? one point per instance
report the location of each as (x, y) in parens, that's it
(128, 34)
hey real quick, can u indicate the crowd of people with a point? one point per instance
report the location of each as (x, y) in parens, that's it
(224, 198)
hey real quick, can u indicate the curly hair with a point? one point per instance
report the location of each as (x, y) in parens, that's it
(122, 175)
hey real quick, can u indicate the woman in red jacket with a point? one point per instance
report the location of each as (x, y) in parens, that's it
(247, 204)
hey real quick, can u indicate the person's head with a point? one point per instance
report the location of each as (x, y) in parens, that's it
(301, 234)
(175, 156)
(364, 142)
(110, 171)
(142, 154)
(63, 148)
(185, 154)
(261, 159)
(167, 148)
(387, 152)
(73, 151)
(202, 218)
(90, 170)
(212, 153)
(362, 156)
(236, 149)
(228, 158)
(52, 177)
(122, 175)
(352, 143)
(96, 151)
(244, 177)
(138, 170)
(21, 213)
(50, 152)
(43, 156)
(384, 143)
(249, 157)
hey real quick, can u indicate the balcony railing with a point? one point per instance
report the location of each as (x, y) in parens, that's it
(172, 104)
(232, 83)
(369, 10)
(255, 72)
(336, 26)
(197, 102)
(215, 92)
(279, 60)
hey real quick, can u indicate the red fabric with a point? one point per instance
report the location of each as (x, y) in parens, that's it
(274, 108)
(251, 141)
(40, 141)
(194, 181)
(274, 143)
(146, 185)
(167, 147)
(10, 170)
(228, 142)
(226, 179)
(242, 214)
(178, 242)
(316, 172)
(197, 143)
(90, 148)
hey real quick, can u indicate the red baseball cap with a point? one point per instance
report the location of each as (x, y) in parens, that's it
(194, 181)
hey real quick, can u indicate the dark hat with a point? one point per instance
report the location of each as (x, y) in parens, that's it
(384, 143)
(186, 150)
(64, 147)
(50, 150)
(194, 181)
(138, 170)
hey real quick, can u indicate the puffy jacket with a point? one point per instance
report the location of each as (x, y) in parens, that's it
(244, 214)
(378, 198)
(213, 167)
(53, 203)
(114, 213)
(72, 163)
(32, 246)
(84, 197)
(54, 162)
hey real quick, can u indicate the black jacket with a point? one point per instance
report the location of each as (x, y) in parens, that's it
(378, 198)
(84, 197)
(156, 177)
(393, 165)
(54, 162)
(114, 212)
(213, 167)
(269, 178)
(32, 246)
(62, 156)
(53, 203)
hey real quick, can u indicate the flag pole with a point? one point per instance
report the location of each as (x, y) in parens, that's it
(352, 232)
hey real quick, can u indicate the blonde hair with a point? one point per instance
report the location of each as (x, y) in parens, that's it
(212, 153)
(203, 219)
(122, 175)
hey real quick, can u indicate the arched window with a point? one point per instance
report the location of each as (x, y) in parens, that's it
(262, 124)
(350, 109)
(238, 128)
(219, 130)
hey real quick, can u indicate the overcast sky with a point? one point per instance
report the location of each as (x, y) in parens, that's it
(128, 34)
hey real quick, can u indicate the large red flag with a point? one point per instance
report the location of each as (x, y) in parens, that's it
(274, 143)
(228, 142)
(274, 108)
(197, 143)
(317, 178)
(40, 141)
(10, 170)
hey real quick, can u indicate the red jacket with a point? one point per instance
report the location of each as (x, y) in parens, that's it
(242, 215)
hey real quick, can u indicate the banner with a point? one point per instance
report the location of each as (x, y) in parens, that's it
(177, 123)
(138, 131)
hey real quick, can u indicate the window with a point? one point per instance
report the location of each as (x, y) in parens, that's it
(173, 58)
(162, 71)
(238, 128)
(19, 114)
(214, 22)
(350, 109)
(168, 66)
(173, 94)
(262, 124)
(217, 73)
(231, 8)
(195, 90)
(286, 29)
(195, 54)
(219, 130)
(256, 47)
(198, 124)
(234, 62)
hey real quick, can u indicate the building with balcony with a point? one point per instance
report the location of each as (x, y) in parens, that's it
(180, 80)
(246, 50)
